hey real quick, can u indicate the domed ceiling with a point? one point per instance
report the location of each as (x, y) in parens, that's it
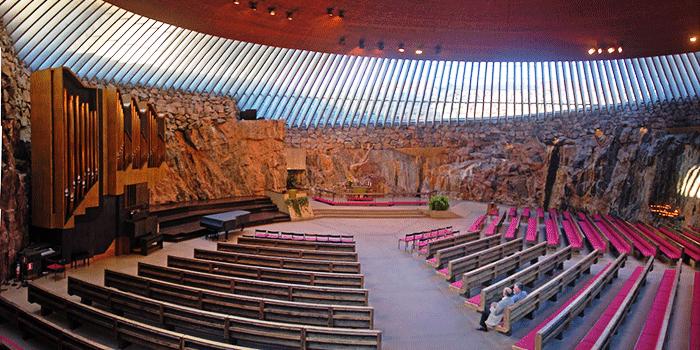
(482, 30)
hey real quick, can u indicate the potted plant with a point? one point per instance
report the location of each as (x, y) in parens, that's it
(439, 206)
(292, 184)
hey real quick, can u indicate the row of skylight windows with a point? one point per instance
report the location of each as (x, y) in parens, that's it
(100, 41)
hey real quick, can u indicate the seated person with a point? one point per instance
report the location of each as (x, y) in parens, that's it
(518, 292)
(494, 315)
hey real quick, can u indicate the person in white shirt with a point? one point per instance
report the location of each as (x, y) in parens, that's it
(493, 315)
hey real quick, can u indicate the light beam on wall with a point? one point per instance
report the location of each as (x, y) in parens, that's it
(691, 183)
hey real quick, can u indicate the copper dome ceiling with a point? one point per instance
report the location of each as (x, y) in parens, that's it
(491, 30)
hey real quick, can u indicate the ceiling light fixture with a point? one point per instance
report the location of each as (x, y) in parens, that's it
(419, 52)
(329, 11)
(438, 49)
(236, 2)
(380, 45)
(289, 15)
(619, 49)
(342, 41)
(611, 49)
(401, 49)
(253, 5)
(341, 13)
(361, 44)
(600, 51)
(693, 39)
(591, 51)
(271, 10)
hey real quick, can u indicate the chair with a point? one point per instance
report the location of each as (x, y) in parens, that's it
(56, 266)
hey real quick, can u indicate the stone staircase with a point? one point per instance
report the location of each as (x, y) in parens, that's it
(375, 213)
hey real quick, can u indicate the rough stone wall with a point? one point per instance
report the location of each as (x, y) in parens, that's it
(14, 194)
(616, 162)
(209, 152)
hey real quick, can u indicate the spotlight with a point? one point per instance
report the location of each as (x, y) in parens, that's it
(361, 44)
(600, 51)
(236, 2)
(253, 5)
(380, 45)
(438, 49)
(693, 39)
(611, 49)
(591, 51)
(341, 13)
(619, 49)
(329, 11)
(401, 49)
(419, 51)
(289, 15)
(341, 41)
(271, 10)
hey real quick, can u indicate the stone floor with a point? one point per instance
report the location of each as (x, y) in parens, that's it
(414, 308)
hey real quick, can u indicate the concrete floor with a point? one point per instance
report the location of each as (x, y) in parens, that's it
(414, 308)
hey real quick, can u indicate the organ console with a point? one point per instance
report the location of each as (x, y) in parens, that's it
(87, 145)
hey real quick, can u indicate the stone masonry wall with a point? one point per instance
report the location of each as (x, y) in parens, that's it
(616, 162)
(14, 194)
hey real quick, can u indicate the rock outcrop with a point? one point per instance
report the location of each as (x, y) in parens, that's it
(16, 168)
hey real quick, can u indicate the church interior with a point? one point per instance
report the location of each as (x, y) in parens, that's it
(334, 174)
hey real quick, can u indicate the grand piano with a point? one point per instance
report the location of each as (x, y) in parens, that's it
(225, 222)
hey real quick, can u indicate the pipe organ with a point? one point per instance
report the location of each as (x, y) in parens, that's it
(88, 144)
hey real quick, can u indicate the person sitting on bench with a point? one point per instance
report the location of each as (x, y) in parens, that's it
(518, 292)
(494, 315)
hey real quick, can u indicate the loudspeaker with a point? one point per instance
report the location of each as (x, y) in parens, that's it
(249, 114)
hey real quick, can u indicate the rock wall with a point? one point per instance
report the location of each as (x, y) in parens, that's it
(14, 194)
(209, 152)
(617, 161)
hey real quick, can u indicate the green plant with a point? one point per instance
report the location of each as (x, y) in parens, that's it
(297, 204)
(292, 181)
(439, 202)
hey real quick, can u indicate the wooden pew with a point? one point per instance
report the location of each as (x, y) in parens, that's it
(596, 240)
(33, 325)
(222, 327)
(459, 266)
(672, 250)
(694, 342)
(432, 247)
(572, 235)
(264, 289)
(343, 280)
(513, 228)
(423, 239)
(532, 233)
(654, 333)
(644, 247)
(526, 276)
(552, 233)
(554, 325)
(600, 336)
(507, 265)
(123, 330)
(531, 303)
(442, 256)
(495, 225)
(324, 315)
(690, 249)
(420, 244)
(307, 245)
(286, 252)
(279, 262)
(303, 236)
(478, 224)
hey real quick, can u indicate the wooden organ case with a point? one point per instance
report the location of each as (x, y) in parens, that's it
(88, 145)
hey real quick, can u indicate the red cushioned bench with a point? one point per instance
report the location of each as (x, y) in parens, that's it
(513, 211)
(528, 342)
(644, 247)
(512, 231)
(494, 226)
(690, 249)
(655, 328)
(618, 242)
(532, 232)
(552, 233)
(314, 237)
(478, 225)
(671, 251)
(694, 343)
(606, 326)
(596, 241)
(572, 235)
(553, 215)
